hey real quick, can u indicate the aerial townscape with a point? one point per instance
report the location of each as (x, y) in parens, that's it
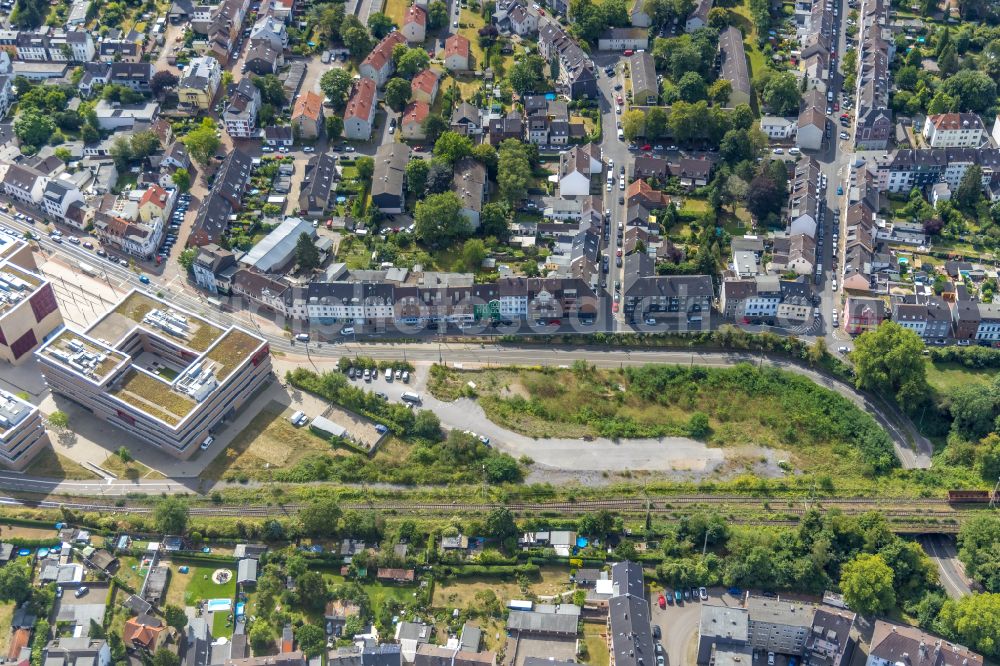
(499, 332)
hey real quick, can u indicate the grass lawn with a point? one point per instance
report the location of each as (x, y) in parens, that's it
(201, 586)
(268, 442)
(221, 625)
(742, 20)
(380, 594)
(6, 615)
(597, 646)
(50, 464)
(461, 593)
(133, 470)
(133, 577)
(470, 23)
(946, 377)
(395, 10)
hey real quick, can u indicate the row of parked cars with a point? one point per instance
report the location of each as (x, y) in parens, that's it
(680, 595)
(369, 374)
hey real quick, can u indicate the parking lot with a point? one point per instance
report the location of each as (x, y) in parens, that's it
(679, 623)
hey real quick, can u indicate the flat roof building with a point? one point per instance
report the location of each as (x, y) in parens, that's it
(167, 376)
(28, 309)
(22, 434)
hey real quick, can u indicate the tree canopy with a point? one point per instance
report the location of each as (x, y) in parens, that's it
(890, 358)
(439, 220)
(171, 515)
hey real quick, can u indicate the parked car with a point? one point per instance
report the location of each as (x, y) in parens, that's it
(80, 591)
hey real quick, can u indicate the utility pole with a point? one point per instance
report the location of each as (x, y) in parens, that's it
(995, 499)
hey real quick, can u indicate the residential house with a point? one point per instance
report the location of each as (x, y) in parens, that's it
(576, 166)
(59, 198)
(145, 632)
(466, 119)
(734, 65)
(378, 66)
(509, 126)
(224, 200)
(388, 178)
(898, 643)
(639, 191)
(240, 114)
(307, 115)
(777, 128)
(213, 269)
(75, 651)
(425, 86)
(456, 53)
(645, 85)
(955, 130)
(412, 120)
(154, 203)
(622, 39)
(318, 185)
(262, 58)
(698, 18)
(692, 172)
(411, 635)
(863, 314)
(415, 24)
(469, 183)
(199, 83)
(810, 129)
(360, 111)
(271, 30)
(115, 116)
(577, 78)
(651, 167)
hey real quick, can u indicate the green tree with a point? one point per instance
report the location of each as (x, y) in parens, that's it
(144, 144)
(260, 636)
(15, 582)
(513, 170)
(58, 419)
(989, 460)
(334, 127)
(493, 220)
(427, 425)
(412, 62)
(502, 468)
(526, 74)
(979, 550)
(890, 359)
(397, 94)
(175, 617)
(121, 151)
(698, 426)
(336, 85)
(974, 90)
(271, 90)
(439, 220)
(473, 254)
(974, 621)
(656, 123)
(781, 94)
(380, 25)
(202, 142)
(691, 87)
(597, 524)
(970, 189)
(437, 15)
(124, 454)
(433, 126)
(186, 258)
(355, 36)
(634, 124)
(311, 639)
(500, 523)
(366, 169)
(164, 657)
(171, 515)
(866, 582)
(34, 128)
(416, 176)
(306, 253)
(452, 146)
(182, 179)
(312, 591)
(320, 517)
(719, 92)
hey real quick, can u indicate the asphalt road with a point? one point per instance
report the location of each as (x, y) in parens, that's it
(941, 549)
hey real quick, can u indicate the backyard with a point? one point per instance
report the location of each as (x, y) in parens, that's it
(461, 592)
(947, 377)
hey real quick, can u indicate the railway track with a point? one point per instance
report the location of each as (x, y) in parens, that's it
(907, 510)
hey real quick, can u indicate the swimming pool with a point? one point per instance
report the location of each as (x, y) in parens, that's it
(217, 605)
(240, 608)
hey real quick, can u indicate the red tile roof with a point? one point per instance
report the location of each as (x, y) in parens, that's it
(309, 105)
(141, 634)
(362, 100)
(425, 81)
(415, 112)
(456, 45)
(415, 14)
(155, 195)
(18, 641)
(382, 53)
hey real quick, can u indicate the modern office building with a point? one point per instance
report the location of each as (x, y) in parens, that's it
(28, 309)
(22, 434)
(166, 376)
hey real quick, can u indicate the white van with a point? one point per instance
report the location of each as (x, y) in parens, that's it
(410, 397)
(388, 374)
(302, 337)
(298, 418)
